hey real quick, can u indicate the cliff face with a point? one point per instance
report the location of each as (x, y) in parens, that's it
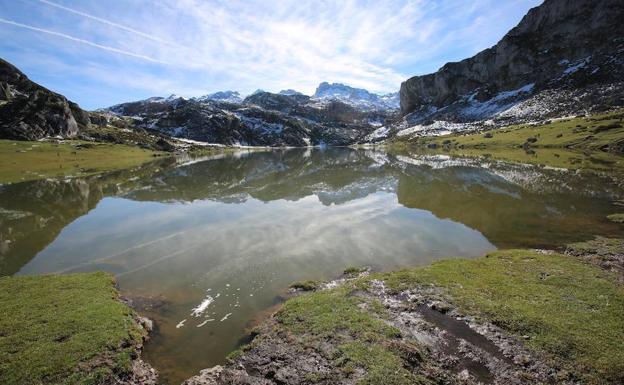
(554, 41)
(30, 112)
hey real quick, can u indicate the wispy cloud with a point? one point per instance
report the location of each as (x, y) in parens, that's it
(193, 45)
(107, 22)
(82, 41)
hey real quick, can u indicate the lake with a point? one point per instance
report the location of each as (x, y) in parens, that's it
(206, 247)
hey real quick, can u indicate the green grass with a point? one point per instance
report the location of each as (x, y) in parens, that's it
(21, 161)
(354, 271)
(304, 285)
(598, 246)
(382, 365)
(571, 310)
(356, 326)
(595, 142)
(68, 329)
(596, 133)
(332, 312)
(617, 218)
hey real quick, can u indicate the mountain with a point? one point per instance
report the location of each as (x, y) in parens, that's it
(224, 96)
(356, 97)
(565, 57)
(289, 118)
(29, 111)
(261, 119)
(289, 92)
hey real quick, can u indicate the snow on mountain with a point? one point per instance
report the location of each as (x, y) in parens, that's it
(356, 97)
(223, 96)
(289, 92)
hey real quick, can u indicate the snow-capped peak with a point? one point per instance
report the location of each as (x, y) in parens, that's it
(357, 97)
(223, 96)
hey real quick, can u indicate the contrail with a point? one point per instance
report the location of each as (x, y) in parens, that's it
(78, 40)
(107, 22)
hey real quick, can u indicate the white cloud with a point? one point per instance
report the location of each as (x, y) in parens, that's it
(212, 45)
(81, 41)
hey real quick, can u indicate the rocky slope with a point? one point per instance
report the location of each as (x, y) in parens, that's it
(356, 97)
(29, 111)
(338, 115)
(565, 57)
(288, 118)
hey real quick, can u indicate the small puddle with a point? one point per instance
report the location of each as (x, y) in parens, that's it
(460, 330)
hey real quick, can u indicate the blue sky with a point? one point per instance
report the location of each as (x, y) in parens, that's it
(103, 52)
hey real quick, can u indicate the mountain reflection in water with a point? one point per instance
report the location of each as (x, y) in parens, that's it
(225, 236)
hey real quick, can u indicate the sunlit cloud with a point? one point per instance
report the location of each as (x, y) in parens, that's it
(130, 49)
(81, 41)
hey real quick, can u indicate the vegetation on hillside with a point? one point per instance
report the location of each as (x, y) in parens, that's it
(21, 161)
(595, 142)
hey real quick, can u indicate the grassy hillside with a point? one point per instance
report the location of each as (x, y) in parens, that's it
(603, 132)
(595, 142)
(20, 161)
(68, 329)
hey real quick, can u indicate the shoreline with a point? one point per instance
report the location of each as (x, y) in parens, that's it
(419, 323)
(420, 330)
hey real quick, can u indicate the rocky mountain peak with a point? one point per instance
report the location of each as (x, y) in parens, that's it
(289, 92)
(224, 96)
(29, 111)
(547, 48)
(357, 97)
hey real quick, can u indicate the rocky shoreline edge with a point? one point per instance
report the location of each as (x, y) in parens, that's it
(510, 317)
(408, 327)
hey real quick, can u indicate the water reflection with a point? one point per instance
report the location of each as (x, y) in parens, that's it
(206, 245)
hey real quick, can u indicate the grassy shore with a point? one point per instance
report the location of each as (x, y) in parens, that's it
(568, 309)
(595, 142)
(21, 161)
(565, 310)
(69, 329)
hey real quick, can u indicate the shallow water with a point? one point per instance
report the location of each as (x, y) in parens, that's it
(215, 242)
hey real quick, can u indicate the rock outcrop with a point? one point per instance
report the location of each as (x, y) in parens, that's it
(566, 57)
(29, 111)
(558, 38)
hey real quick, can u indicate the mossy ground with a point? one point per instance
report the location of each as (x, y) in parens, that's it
(21, 161)
(304, 285)
(569, 309)
(595, 142)
(356, 326)
(68, 329)
(566, 309)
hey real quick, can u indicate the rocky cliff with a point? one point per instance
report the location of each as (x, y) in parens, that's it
(29, 111)
(575, 47)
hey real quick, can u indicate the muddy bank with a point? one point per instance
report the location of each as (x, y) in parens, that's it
(512, 317)
(435, 341)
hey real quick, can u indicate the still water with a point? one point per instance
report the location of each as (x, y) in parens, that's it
(205, 247)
